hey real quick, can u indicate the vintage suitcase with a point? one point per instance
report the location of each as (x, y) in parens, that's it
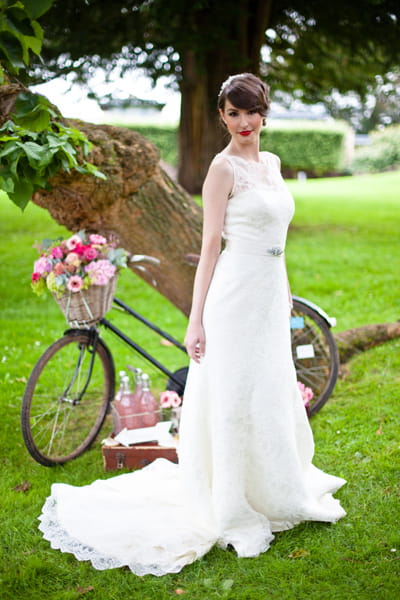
(135, 457)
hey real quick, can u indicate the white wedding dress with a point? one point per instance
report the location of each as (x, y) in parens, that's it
(245, 446)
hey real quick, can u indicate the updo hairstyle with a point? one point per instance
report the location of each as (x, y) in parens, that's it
(245, 91)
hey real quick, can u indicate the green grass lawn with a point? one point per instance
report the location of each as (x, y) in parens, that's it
(343, 253)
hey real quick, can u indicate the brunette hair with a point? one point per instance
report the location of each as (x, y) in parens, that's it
(247, 91)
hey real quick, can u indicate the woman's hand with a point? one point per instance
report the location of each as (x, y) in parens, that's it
(195, 341)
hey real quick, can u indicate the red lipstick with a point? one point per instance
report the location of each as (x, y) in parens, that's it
(244, 133)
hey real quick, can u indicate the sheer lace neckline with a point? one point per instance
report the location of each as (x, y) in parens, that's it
(246, 160)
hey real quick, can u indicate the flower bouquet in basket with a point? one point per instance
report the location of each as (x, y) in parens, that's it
(81, 272)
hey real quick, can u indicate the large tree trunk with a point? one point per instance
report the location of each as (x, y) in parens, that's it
(139, 203)
(203, 71)
(199, 130)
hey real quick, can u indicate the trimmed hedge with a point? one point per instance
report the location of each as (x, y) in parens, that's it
(318, 148)
(381, 155)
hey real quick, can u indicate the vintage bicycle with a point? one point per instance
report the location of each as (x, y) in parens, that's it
(71, 388)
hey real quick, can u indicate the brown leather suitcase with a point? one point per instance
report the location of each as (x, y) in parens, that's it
(135, 457)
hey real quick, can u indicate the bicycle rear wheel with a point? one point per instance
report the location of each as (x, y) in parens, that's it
(315, 353)
(67, 397)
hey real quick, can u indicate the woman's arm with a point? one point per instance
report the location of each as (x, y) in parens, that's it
(216, 189)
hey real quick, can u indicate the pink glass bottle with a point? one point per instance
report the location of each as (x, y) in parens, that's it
(149, 405)
(135, 418)
(121, 403)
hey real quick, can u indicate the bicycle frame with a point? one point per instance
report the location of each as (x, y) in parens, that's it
(108, 325)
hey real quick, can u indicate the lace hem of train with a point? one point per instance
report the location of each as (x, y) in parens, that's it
(61, 540)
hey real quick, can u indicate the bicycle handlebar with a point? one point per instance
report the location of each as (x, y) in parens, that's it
(138, 258)
(192, 259)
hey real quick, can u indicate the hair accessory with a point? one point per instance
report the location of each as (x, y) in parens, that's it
(229, 80)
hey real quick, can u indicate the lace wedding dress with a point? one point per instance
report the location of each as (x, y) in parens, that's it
(245, 446)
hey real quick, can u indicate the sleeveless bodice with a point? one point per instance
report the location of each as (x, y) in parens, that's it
(260, 206)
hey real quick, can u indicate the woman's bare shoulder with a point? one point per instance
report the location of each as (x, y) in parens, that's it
(220, 167)
(219, 176)
(221, 163)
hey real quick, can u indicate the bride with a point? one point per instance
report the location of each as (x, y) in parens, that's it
(245, 450)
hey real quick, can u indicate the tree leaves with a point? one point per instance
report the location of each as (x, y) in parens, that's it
(35, 147)
(20, 34)
(33, 111)
(36, 8)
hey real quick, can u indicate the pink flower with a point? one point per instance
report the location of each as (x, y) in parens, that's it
(74, 283)
(35, 277)
(170, 399)
(306, 393)
(100, 272)
(165, 400)
(94, 238)
(175, 400)
(73, 241)
(57, 252)
(90, 253)
(72, 259)
(58, 268)
(80, 249)
(42, 265)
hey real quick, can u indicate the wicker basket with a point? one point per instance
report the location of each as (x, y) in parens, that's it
(85, 308)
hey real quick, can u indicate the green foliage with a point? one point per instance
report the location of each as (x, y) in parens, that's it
(34, 147)
(342, 254)
(164, 137)
(316, 148)
(20, 33)
(313, 46)
(383, 153)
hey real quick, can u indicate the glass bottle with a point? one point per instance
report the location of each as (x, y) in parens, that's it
(149, 405)
(121, 403)
(136, 419)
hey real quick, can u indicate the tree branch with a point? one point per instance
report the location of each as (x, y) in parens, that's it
(356, 340)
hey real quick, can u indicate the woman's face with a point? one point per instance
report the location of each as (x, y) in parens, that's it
(243, 124)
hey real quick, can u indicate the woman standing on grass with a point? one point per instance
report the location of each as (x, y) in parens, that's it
(245, 447)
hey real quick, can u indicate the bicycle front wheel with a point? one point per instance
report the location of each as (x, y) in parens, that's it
(315, 353)
(67, 397)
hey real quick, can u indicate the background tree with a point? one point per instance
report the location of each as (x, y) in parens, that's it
(309, 47)
(377, 109)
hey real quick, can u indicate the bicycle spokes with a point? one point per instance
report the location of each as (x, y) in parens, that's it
(67, 399)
